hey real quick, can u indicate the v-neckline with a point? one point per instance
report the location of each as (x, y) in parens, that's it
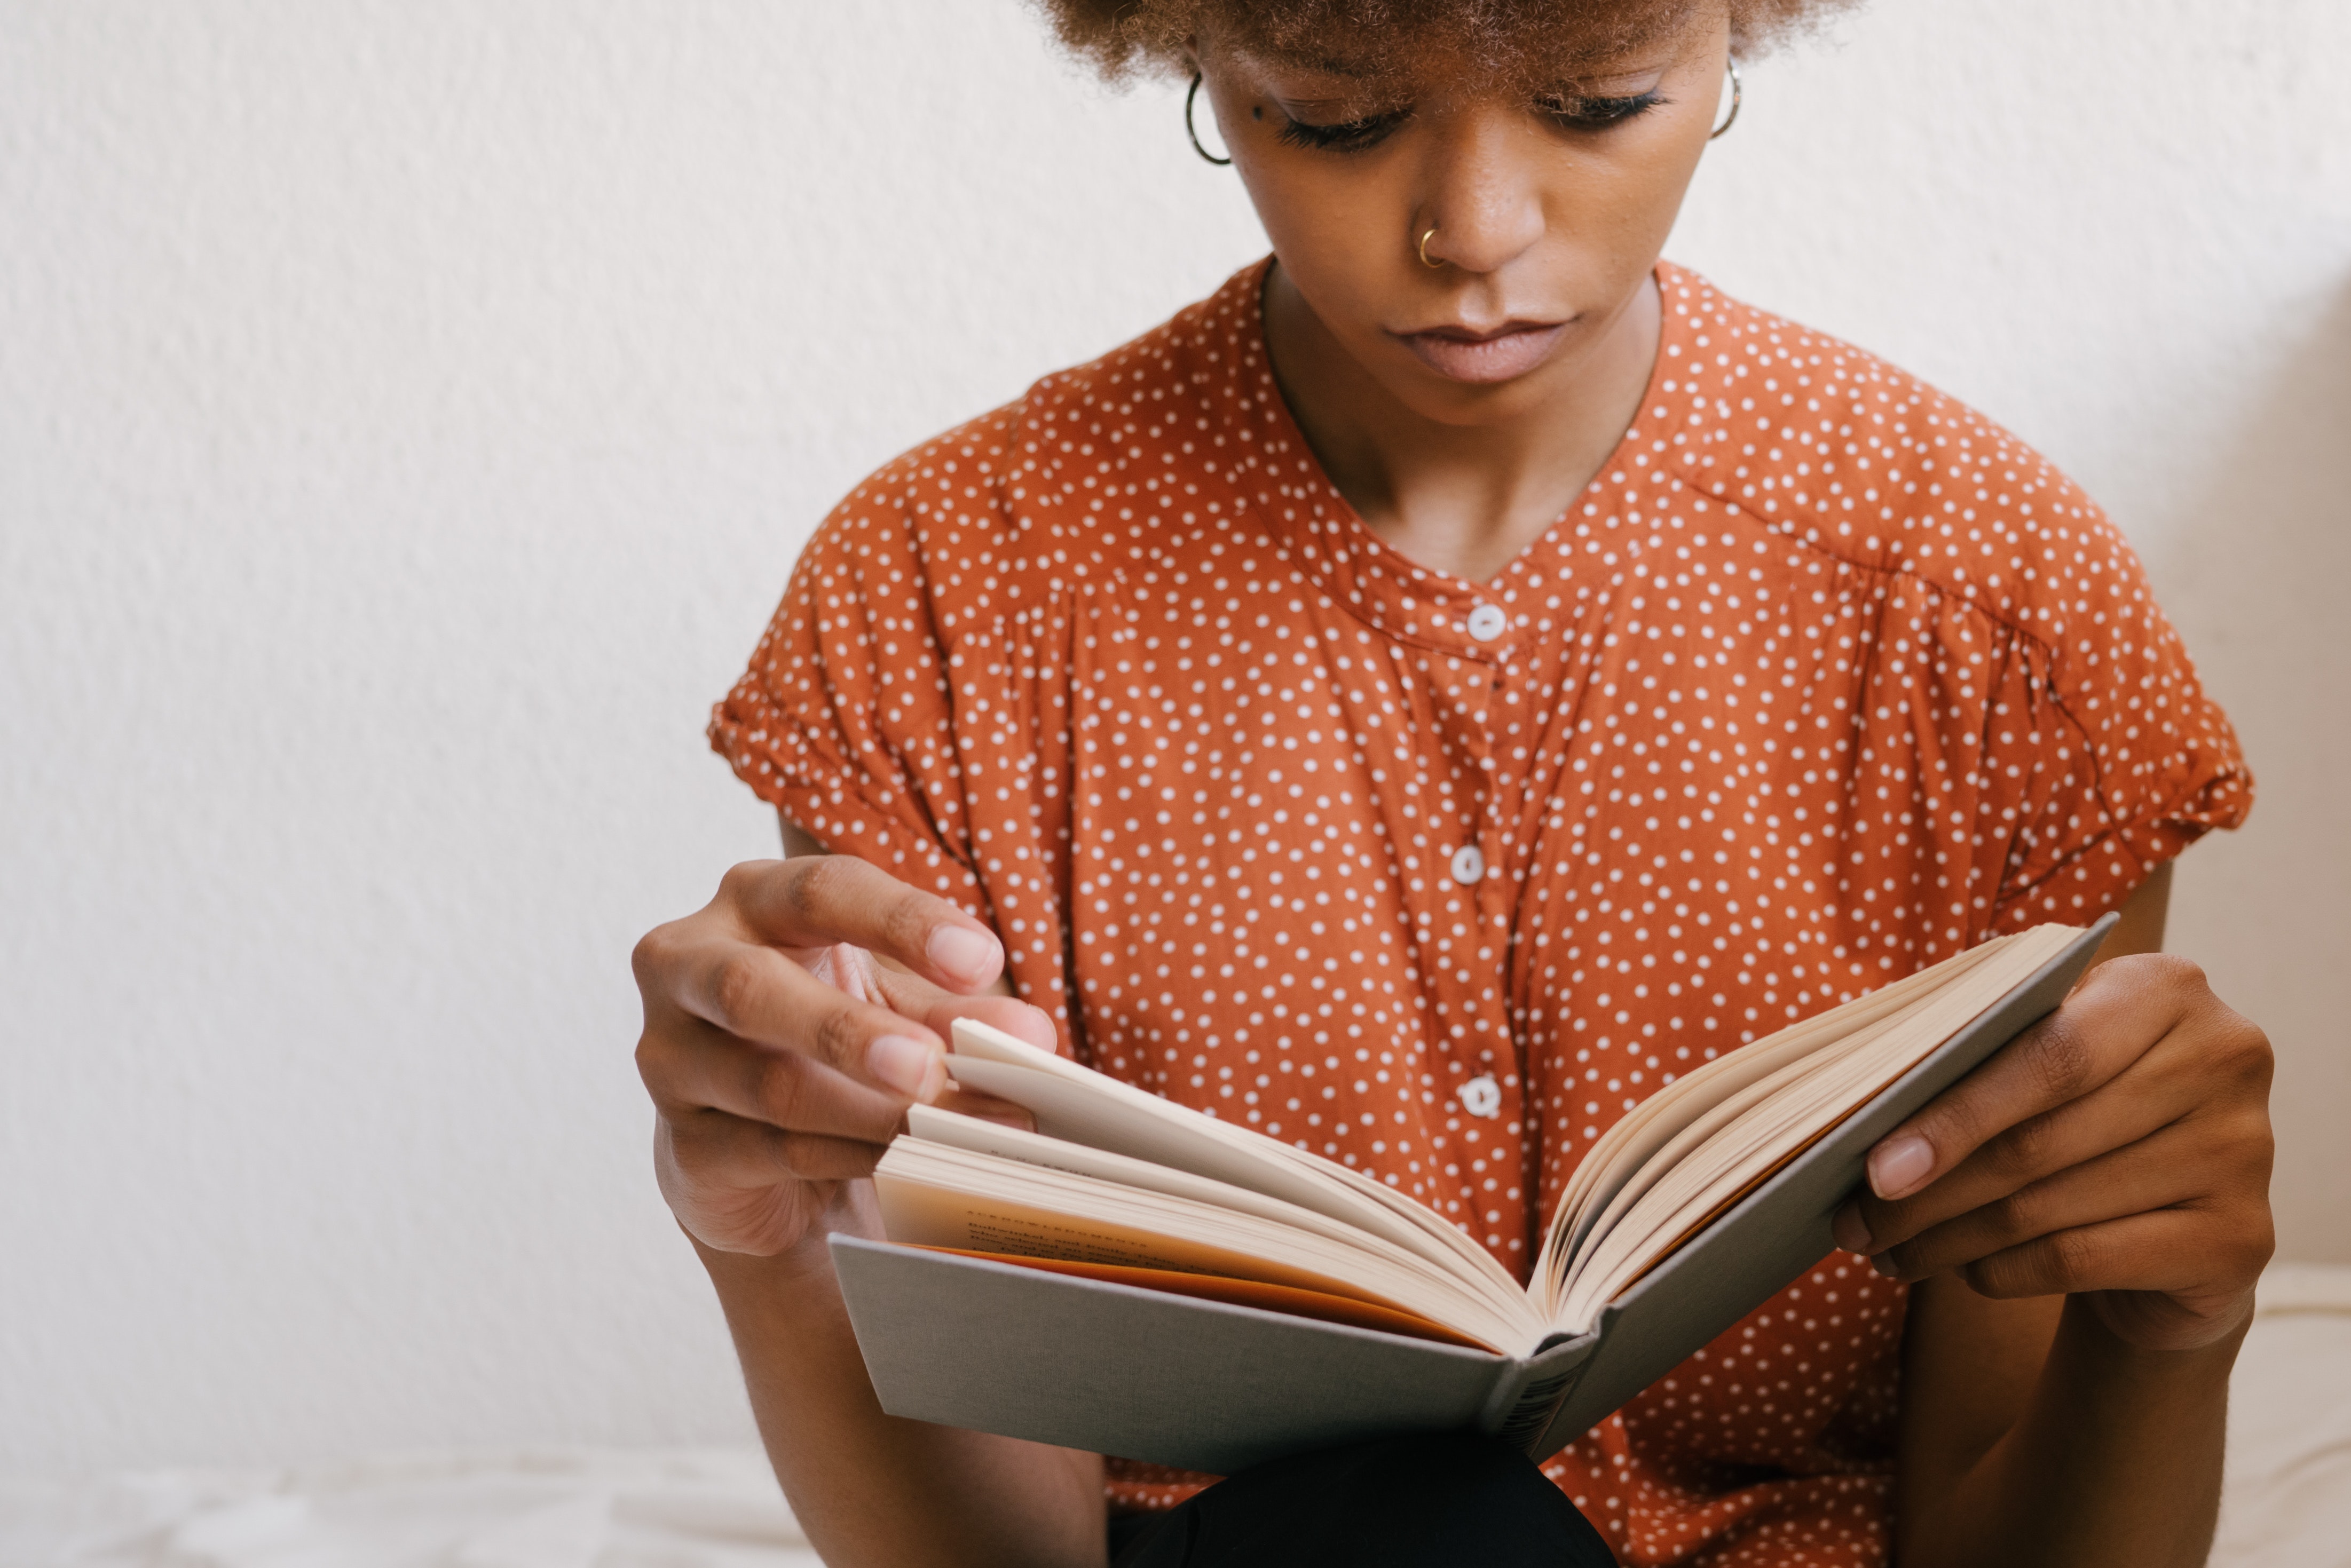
(1396, 594)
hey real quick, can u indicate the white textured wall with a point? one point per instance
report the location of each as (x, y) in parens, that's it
(409, 412)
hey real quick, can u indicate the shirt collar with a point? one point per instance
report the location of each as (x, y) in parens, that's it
(1327, 541)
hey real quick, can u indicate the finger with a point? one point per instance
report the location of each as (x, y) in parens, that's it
(2121, 1010)
(2169, 1167)
(819, 900)
(721, 1151)
(692, 1067)
(2175, 1251)
(756, 994)
(2133, 1105)
(937, 1010)
(917, 998)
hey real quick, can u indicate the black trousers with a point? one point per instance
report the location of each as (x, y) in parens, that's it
(1398, 1503)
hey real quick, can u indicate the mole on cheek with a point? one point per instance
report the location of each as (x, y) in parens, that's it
(1256, 111)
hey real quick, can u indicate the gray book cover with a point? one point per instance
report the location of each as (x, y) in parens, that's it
(1206, 1386)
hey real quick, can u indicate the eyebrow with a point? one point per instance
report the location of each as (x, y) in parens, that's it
(1587, 83)
(1330, 65)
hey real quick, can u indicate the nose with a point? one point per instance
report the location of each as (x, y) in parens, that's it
(1483, 181)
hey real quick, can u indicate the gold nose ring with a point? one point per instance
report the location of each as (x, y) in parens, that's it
(1424, 250)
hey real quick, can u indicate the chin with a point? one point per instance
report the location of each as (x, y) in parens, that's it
(1470, 404)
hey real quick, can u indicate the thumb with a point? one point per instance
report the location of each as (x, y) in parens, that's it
(1016, 1018)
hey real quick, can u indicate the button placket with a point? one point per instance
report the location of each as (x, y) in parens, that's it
(1474, 653)
(1483, 1058)
(1501, 797)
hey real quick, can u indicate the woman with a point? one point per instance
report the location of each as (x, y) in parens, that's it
(1423, 697)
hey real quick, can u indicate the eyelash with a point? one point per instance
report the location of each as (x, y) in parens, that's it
(1356, 135)
(1600, 113)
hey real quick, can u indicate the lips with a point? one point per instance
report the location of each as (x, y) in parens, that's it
(1501, 354)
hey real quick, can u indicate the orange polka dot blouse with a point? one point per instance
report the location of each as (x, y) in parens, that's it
(1823, 679)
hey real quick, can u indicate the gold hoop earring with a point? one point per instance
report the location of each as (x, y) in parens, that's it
(1423, 248)
(1189, 94)
(1737, 92)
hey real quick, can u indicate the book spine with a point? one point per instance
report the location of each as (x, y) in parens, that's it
(1529, 1415)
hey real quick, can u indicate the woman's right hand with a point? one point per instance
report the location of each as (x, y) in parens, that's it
(781, 1057)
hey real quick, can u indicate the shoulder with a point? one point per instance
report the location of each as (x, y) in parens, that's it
(2009, 586)
(998, 504)
(1169, 384)
(1834, 449)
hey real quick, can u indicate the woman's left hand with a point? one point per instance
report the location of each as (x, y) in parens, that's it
(2119, 1149)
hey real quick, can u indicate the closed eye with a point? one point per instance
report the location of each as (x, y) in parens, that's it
(1349, 136)
(1598, 113)
(1575, 113)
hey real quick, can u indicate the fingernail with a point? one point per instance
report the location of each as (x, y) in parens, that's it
(965, 953)
(1884, 1264)
(1899, 1165)
(1852, 1231)
(907, 1065)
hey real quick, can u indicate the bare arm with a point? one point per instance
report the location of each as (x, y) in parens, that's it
(2084, 1246)
(873, 1489)
(781, 1057)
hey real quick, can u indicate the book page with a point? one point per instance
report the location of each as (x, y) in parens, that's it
(1674, 1159)
(1645, 1133)
(933, 1195)
(1774, 1128)
(1317, 1305)
(1080, 1106)
(955, 1130)
(1671, 1166)
(1446, 1235)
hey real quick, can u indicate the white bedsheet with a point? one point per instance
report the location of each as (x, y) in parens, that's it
(2288, 1502)
(536, 1509)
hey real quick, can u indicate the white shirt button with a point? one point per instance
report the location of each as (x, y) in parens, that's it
(1488, 622)
(1481, 1097)
(1468, 865)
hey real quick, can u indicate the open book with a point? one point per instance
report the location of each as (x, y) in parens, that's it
(1139, 1278)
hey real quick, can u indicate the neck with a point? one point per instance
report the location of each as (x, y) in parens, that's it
(1461, 498)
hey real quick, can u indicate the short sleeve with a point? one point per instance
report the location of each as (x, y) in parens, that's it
(2111, 757)
(844, 719)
